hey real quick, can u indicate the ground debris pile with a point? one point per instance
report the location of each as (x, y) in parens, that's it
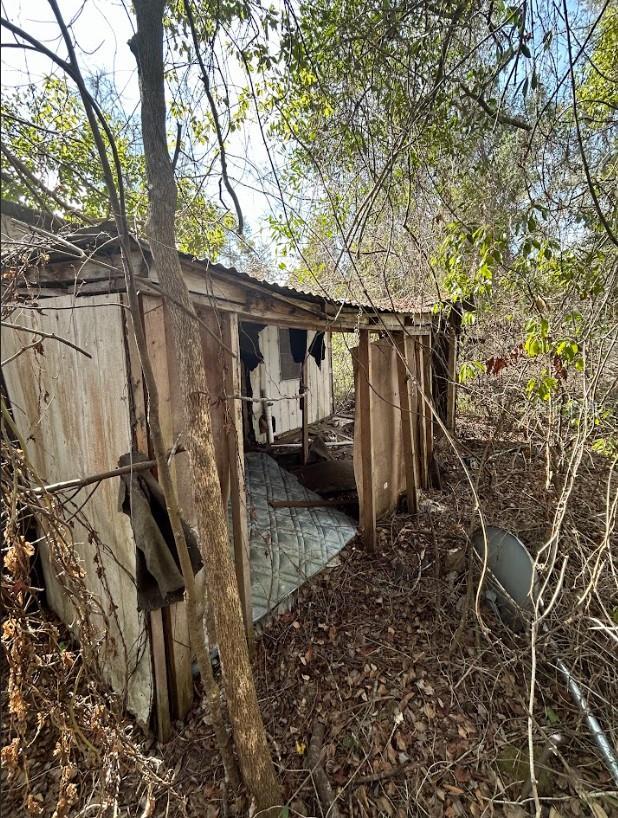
(419, 721)
(67, 749)
(416, 714)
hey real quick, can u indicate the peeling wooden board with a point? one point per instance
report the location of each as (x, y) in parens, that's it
(162, 718)
(409, 453)
(74, 413)
(176, 628)
(364, 454)
(422, 390)
(237, 474)
(388, 467)
(426, 374)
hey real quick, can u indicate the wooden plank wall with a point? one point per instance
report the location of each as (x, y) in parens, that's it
(74, 412)
(389, 475)
(399, 447)
(267, 376)
(222, 381)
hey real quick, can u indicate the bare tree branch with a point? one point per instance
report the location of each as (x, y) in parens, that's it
(215, 116)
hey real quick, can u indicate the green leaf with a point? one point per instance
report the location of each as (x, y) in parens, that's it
(533, 346)
(469, 370)
(551, 716)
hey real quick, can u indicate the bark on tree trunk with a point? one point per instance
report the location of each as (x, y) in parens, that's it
(195, 610)
(249, 734)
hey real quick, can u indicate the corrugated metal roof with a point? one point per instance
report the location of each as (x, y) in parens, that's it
(103, 239)
(312, 296)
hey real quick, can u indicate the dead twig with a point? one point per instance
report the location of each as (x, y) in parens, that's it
(314, 766)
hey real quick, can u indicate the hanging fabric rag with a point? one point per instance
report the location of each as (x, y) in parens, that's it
(317, 348)
(298, 345)
(158, 576)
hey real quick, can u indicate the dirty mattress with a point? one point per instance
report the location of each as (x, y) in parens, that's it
(287, 545)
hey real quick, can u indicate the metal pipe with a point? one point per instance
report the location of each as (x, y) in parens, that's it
(512, 573)
(602, 742)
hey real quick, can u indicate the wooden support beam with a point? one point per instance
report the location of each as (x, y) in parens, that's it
(415, 403)
(424, 402)
(321, 503)
(425, 342)
(238, 493)
(159, 664)
(368, 509)
(160, 340)
(304, 411)
(162, 715)
(421, 413)
(406, 420)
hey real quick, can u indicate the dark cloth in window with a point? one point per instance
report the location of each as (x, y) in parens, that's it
(250, 352)
(298, 345)
(317, 348)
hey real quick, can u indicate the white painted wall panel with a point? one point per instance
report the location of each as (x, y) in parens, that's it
(266, 378)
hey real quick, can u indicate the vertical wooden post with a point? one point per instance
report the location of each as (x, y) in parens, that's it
(179, 654)
(155, 622)
(368, 510)
(421, 392)
(415, 403)
(428, 386)
(406, 420)
(424, 399)
(159, 663)
(304, 410)
(238, 495)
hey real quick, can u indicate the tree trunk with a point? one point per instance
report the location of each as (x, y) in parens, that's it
(249, 734)
(195, 609)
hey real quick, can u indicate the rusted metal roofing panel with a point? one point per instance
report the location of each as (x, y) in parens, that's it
(103, 240)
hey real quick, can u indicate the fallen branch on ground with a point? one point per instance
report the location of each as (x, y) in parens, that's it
(314, 766)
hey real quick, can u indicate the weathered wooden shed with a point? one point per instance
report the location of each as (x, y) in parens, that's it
(80, 414)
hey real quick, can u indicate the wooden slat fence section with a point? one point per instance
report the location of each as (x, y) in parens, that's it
(75, 414)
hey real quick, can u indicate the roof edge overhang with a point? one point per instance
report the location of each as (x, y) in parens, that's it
(238, 291)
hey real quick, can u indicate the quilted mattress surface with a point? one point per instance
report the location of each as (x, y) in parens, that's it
(288, 545)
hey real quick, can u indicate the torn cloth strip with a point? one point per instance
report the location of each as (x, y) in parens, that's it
(317, 348)
(158, 575)
(298, 345)
(250, 352)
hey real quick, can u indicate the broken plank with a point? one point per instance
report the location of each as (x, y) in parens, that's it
(238, 494)
(368, 509)
(406, 420)
(323, 503)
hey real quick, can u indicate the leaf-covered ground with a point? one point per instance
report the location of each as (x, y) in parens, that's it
(417, 721)
(420, 719)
